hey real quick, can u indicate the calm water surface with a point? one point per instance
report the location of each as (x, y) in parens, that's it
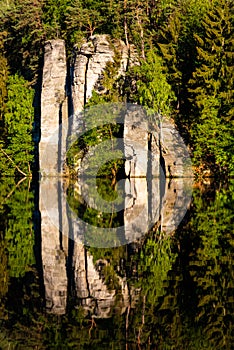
(163, 291)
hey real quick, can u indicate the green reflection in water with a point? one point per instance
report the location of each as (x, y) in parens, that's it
(181, 286)
(17, 209)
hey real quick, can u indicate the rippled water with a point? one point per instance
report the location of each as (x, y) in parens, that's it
(166, 290)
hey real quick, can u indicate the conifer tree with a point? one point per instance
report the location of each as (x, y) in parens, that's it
(211, 89)
(178, 49)
(25, 36)
(53, 17)
(169, 46)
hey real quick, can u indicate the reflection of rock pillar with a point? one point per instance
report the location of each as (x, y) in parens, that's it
(53, 105)
(155, 155)
(136, 208)
(79, 264)
(94, 294)
(174, 152)
(175, 203)
(53, 255)
(154, 201)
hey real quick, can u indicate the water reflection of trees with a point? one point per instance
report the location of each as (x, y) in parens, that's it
(181, 287)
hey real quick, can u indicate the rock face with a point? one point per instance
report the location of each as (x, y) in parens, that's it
(143, 150)
(53, 106)
(148, 198)
(87, 68)
(135, 140)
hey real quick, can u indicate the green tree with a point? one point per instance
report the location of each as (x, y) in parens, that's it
(178, 47)
(152, 89)
(83, 18)
(22, 21)
(17, 152)
(53, 17)
(211, 90)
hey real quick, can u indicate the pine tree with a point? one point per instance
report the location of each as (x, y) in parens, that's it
(53, 17)
(178, 48)
(85, 18)
(25, 36)
(211, 89)
(169, 47)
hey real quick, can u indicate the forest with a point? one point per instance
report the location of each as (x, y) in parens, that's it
(185, 49)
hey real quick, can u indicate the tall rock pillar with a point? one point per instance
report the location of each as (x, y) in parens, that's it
(53, 107)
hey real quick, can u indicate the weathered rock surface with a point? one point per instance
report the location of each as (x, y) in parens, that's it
(95, 297)
(175, 203)
(142, 151)
(136, 142)
(174, 152)
(88, 65)
(53, 250)
(136, 212)
(53, 106)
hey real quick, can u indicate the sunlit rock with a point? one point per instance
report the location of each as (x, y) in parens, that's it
(53, 106)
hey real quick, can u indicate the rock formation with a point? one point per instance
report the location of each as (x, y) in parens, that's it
(94, 295)
(146, 200)
(86, 75)
(53, 107)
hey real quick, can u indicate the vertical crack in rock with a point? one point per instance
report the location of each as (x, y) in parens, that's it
(86, 271)
(86, 80)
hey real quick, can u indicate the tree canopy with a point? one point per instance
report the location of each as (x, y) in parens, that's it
(185, 50)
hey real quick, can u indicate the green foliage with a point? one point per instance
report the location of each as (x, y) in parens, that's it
(53, 17)
(3, 77)
(112, 82)
(211, 266)
(17, 151)
(156, 262)
(153, 90)
(19, 233)
(17, 237)
(25, 36)
(211, 89)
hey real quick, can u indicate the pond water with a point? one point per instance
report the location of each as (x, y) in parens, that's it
(164, 289)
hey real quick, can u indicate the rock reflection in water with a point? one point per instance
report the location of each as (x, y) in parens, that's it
(146, 204)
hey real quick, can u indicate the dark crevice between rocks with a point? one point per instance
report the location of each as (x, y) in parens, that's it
(69, 83)
(86, 271)
(86, 82)
(149, 176)
(60, 138)
(162, 174)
